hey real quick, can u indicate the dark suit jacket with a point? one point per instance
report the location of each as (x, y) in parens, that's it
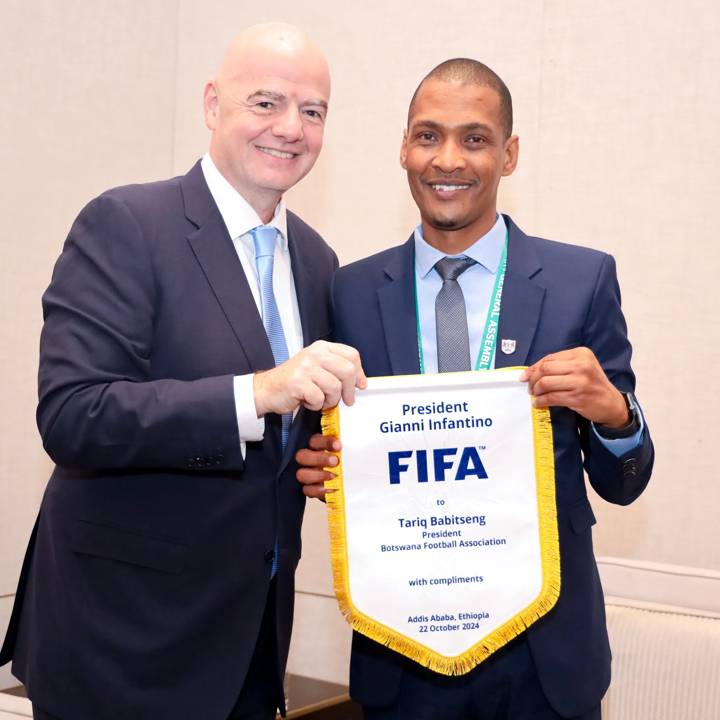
(555, 297)
(145, 581)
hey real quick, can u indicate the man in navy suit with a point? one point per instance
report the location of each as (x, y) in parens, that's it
(173, 389)
(560, 315)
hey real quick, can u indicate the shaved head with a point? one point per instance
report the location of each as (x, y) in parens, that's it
(465, 71)
(281, 39)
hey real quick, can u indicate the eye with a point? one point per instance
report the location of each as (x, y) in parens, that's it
(314, 114)
(426, 137)
(265, 104)
(476, 140)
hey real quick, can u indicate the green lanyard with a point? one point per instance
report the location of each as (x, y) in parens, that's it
(489, 341)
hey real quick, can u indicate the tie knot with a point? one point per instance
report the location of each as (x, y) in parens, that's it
(264, 237)
(451, 268)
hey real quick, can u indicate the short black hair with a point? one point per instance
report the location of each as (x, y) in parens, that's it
(471, 72)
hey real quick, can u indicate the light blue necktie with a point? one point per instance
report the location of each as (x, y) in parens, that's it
(264, 237)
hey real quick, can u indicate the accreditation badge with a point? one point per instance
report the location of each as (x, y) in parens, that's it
(443, 523)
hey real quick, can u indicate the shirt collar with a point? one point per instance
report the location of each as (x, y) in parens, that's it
(239, 216)
(486, 251)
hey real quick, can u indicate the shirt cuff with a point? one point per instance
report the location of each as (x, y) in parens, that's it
(251, 428)
(619, 446)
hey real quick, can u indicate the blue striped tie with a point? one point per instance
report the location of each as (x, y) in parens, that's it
(264, 237)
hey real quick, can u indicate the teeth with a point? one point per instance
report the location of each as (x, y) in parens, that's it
(449, 188)
(277, 153)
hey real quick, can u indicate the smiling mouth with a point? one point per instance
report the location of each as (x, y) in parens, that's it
(276, 153)
(448, 188)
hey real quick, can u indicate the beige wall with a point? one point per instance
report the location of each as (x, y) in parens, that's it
(617, 106)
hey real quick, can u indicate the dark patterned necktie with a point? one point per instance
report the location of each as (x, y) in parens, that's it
(453, 342)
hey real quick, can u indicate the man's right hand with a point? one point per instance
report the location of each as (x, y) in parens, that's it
(317, 377)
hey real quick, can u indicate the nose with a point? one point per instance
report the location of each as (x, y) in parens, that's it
(288, 125)
(449, 157)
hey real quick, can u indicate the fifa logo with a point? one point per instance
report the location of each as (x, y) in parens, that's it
(446, 463)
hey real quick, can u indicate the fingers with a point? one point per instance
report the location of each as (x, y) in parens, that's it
(575, 379)
(343, 362)
(312, 460)
(336, 371)
(326, 390)
(351, 354)
(316, 377)
(556, 399)
(554, 383)
(307, 477)
(317, 491)
(576, 361)
(325, 442)
(313, 480)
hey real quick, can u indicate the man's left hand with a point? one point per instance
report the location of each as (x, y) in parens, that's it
(312, 462)
(574, 379)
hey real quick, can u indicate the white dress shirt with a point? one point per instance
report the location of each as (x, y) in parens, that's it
(240, 218)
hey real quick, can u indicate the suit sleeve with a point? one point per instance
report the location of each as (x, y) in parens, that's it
(99, 405)
(620, 479)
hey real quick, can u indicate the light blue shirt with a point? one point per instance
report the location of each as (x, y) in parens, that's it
(477, 284)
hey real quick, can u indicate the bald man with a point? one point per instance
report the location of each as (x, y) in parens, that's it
(182, 359)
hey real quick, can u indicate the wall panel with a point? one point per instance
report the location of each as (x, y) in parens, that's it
(88, 92)
(627, 163)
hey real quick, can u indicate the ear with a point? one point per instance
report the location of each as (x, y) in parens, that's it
(403, 151)
(211, 103)
(512, 148)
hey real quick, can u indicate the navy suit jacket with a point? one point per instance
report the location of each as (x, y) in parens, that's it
(555, 297)
(145, 581)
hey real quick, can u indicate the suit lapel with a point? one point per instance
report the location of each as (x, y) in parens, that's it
(305, 288)
(398, 311)
(522, 299)
(305, 293)
(214, 251)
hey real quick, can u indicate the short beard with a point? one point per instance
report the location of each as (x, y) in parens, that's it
(445, 224)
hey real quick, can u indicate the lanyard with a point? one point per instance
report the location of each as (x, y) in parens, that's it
(489, 336)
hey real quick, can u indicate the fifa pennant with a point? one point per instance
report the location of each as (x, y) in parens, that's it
(442, 515)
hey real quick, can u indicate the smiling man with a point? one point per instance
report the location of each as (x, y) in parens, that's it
(174, 388)
(422, 307)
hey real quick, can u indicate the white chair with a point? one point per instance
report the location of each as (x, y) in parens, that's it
(664, 625)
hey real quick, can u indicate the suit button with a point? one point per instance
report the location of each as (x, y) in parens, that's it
(630, 469)
(269, 556)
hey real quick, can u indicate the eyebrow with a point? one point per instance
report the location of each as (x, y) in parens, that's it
(466, 127)
(279, 97)
(266, 93)
(316, 101)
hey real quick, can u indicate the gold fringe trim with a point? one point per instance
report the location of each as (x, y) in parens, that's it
(550, 558)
